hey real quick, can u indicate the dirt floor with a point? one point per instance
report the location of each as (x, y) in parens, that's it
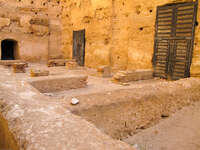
(178, 132)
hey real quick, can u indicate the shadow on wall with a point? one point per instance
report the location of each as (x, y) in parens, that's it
(9, 49)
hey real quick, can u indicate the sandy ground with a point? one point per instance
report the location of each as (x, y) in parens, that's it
(178, 132)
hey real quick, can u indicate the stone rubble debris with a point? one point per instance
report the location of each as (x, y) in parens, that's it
(19, 67)
(38, 73)
(104, 71)
(57, 62)
(72, 64)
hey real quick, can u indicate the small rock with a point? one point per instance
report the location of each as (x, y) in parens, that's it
(74, 101)
(48, 94)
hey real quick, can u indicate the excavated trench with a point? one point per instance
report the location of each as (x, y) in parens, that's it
(123, 113)
(59, 83)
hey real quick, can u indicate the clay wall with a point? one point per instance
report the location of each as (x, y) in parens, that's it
(119, 33)
(35, 25)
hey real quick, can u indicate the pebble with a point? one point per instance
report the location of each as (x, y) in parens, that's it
(74, 101)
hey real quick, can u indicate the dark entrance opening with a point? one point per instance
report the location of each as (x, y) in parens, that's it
(8, 49)
(79, 46)
(174, 40)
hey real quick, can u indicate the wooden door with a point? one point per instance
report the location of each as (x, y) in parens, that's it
(79, 46)
(174, 39)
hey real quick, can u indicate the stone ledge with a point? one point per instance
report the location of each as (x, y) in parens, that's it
(135, 75)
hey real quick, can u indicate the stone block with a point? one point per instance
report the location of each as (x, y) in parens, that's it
(57, 62)
(71, 64)
(135, 75)
(38, 73)
(19, 67)
(104, 71)
(10, 63)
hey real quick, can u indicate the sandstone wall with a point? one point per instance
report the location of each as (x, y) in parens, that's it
(34, 25)
(118, 32)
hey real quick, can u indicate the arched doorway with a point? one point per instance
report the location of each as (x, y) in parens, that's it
(8, 49)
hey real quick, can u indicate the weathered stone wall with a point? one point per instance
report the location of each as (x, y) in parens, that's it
(35, 25)
(118, 32)
(95, 17)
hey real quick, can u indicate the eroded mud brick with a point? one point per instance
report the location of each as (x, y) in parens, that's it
(38, 73)
(9, 63)
(135, 75)
(19, 67)
(72, 64)
(57, 62)
(104, 71)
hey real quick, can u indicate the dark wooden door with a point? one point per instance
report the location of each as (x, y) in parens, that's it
(174, 38)
(79, 46)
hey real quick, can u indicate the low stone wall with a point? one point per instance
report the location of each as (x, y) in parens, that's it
(59, 83)
(122, 113)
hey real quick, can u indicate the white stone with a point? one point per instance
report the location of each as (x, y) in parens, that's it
(74, 101)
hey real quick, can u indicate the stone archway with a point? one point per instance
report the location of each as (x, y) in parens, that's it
(9, 49)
